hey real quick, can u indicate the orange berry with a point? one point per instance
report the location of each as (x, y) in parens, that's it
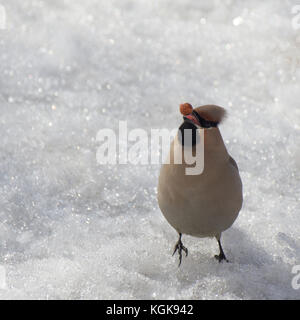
(186, 109)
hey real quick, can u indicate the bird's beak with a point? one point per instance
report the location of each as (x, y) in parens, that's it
(192, 119)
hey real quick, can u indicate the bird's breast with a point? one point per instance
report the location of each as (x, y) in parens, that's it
(200, 205)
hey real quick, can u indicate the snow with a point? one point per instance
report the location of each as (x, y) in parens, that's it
(73, 229)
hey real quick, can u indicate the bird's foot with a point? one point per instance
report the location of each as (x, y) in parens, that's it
(221, 257)
(180, 247)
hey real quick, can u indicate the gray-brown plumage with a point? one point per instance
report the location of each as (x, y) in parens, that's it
(207, 204)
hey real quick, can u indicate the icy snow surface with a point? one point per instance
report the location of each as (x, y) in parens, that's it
(73, 229)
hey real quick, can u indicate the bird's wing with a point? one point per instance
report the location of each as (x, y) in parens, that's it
(232, 161)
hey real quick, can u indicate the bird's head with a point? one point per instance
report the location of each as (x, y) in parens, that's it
(204, 117)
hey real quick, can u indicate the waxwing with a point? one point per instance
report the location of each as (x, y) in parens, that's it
(207, 203)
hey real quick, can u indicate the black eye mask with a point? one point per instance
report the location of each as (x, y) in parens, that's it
(203, 123)
(189, 124)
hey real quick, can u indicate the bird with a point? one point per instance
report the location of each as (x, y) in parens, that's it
(205, 204)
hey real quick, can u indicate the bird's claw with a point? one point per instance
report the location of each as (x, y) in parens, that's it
(180, 247)
(220, 257)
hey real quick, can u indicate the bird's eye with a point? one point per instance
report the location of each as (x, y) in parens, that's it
(204, 123)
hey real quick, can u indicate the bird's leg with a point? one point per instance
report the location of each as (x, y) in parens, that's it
(179, 246)
(221, 256)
